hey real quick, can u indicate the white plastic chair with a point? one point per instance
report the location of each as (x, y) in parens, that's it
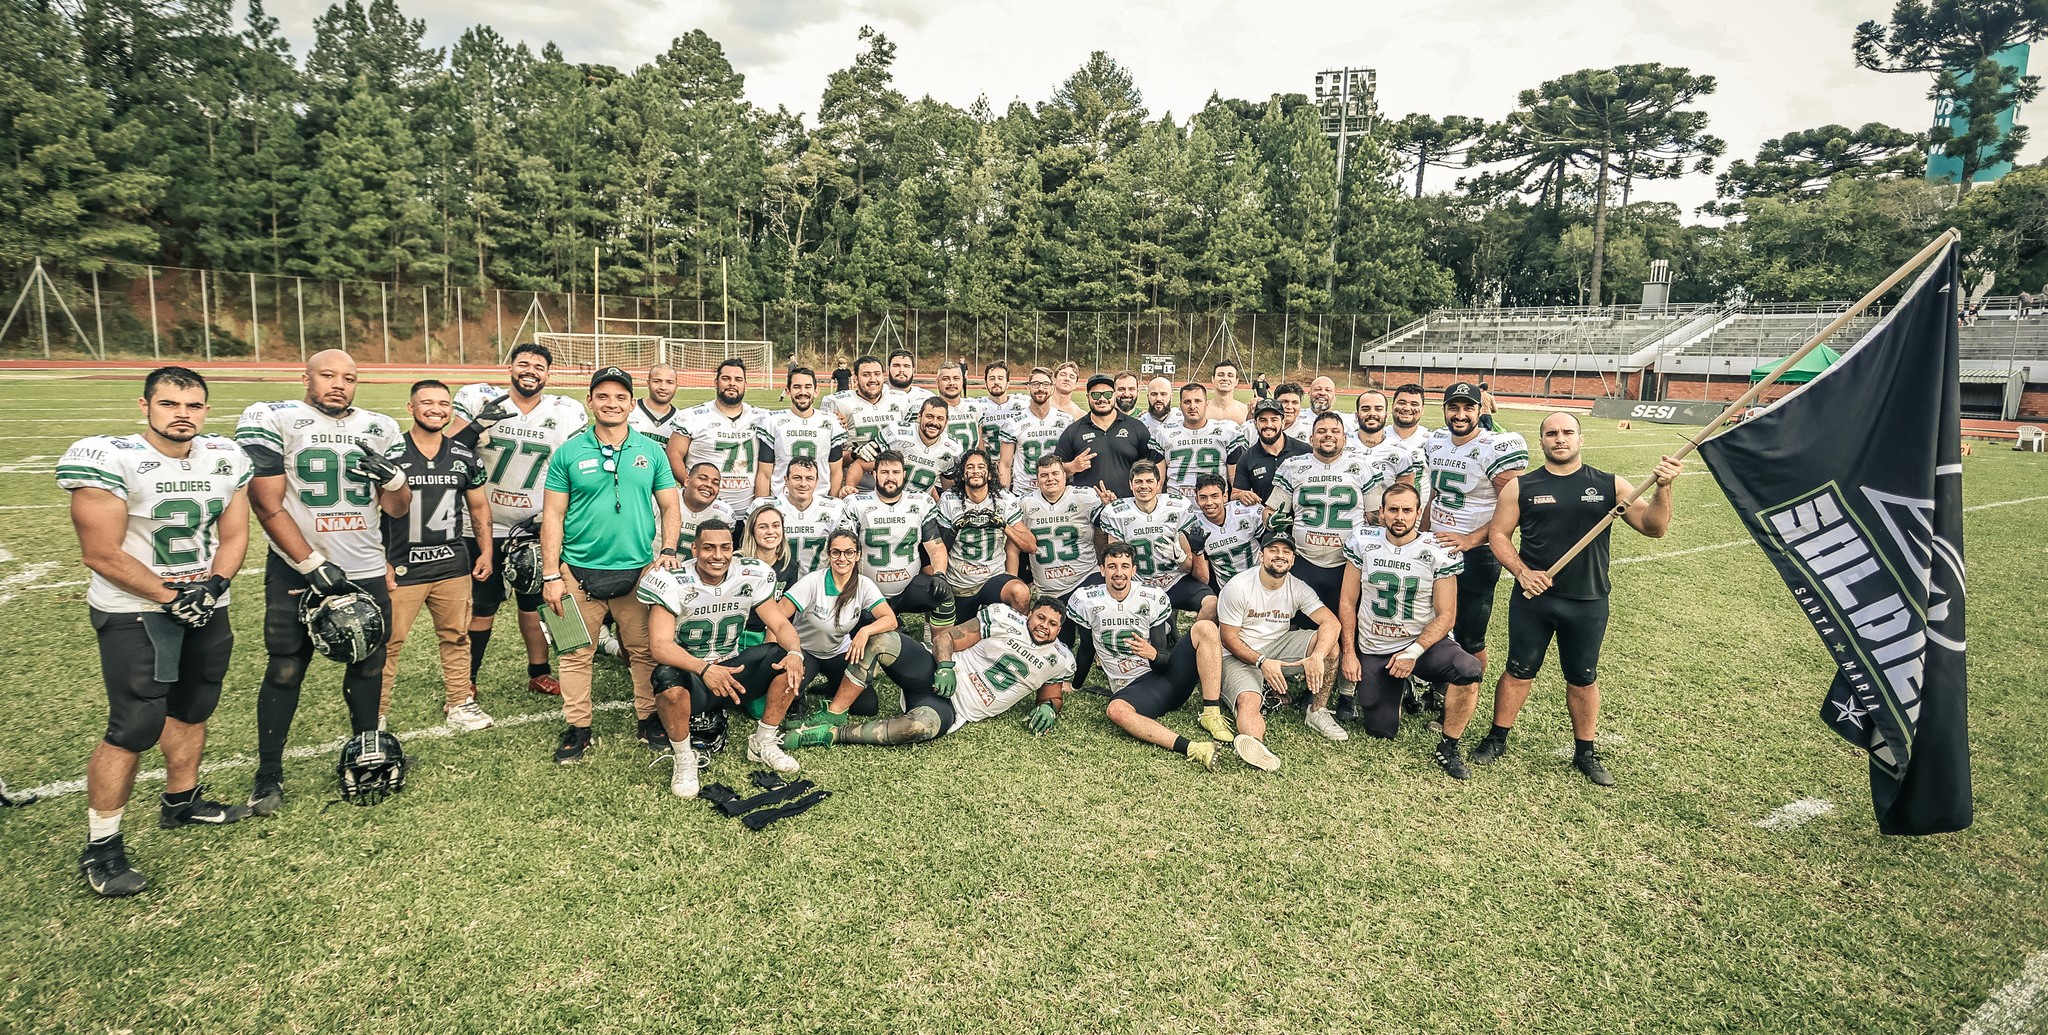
(2031, 439)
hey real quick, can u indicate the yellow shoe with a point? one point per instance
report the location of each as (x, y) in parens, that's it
(1203, 753)
(1213, 721)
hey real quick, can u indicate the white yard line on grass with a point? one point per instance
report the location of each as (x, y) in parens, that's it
(37, 506)
(64, 787)
(2017, 1007)
(27, 578)
(1793, 815)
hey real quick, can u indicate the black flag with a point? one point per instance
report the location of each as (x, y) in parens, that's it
(1852, 483)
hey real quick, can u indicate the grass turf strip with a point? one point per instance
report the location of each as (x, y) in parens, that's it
(1076, 882)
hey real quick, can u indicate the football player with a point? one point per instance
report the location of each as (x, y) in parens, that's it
(928, 452)
(1225, 534)
(1321, 496)
(895, 527)
(163, 523)
(1226, 405)
(963, 415)
(808, 516)
(720, 432)
(1001, 404)
(1061, 521)
(903, 389)
(1156, 529)
(980, 523)
(1030, 433)
(1131, 627)
(1322, 398)
(1197, 444)
(802, 431)
(320, 485)
(1159, 411)
(1404, 429)
(694, 626)
(1467, 467)
(1254, 615)
(515, 432)
(700, 503)
(975, 672)
(655, 416)
(1124, 389)
(867, 412)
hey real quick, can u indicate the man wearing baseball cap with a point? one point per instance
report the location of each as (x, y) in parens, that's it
(1467, 467)
(597, 535)
(1261, 649)
(1099, 449)
(1269, 447)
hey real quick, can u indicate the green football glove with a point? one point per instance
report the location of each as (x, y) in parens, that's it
(942, 684)
(1042, 718)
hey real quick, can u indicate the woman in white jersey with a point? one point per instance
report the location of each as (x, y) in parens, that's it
(847, 629)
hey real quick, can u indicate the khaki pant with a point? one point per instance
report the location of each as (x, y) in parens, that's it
(448, 602)
(630, 614)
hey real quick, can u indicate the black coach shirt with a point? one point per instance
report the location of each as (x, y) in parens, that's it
(1117, 447)
(425, 543)
(1556, 510)
(1255, 466)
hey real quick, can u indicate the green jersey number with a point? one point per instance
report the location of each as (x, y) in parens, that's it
(1328, 507)
(882, 550)
(736, 456)
(806, 448)
(1448, 487)
(979, 545)
(539, 451)
(182, 529)
(919, 478)
(1185, 464)
(327, 481)
(1394, 596)
(1059, 544)
(1031, 449)
(710, 640)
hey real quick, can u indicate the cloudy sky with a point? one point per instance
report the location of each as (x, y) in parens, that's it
(1781, 66)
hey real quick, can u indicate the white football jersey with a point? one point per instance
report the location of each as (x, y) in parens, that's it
(173, 504)
(924, 463)
(1305, 424)
(781, 436)
(1397, 586)
(1154, 536)
(686, 539)
(1065, 529)
(1153, 424)
(728, 443)
(1193, 452)
(809, 529)
(1327, 502)
(865, 421)
(823, 621)
(333, 505)
(1005, 666)
(1413, 444)
(643, 420)
(996, 414)
(1232, 546)
(1033, 436)
(1115, 623)
(963, 421)
(710, 616)
(890, 534)
(516, 452)
(1391, 455)
(977, 550)
(1462, 496)
(906, 400)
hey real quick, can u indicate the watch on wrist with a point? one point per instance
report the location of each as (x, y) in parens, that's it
(551, 578)
(670, 552)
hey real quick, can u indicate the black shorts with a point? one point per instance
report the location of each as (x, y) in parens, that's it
(1188, 594)
(1328, 584)
(1475, 598)
(921, 596)
(1167, 686)
(991, 592)
(1379, 694)
(1578, 625)
(756, 674)
(489, 592)
(285, 636)
(137, 703)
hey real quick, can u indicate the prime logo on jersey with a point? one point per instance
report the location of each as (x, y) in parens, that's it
(173, 505)
(517, 450)
(332, 502)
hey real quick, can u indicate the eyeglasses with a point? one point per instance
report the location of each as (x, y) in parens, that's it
(1038, 384)
(843, 553)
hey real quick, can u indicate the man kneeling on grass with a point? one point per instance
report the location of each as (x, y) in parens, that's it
(1149, 674)
(979, 671)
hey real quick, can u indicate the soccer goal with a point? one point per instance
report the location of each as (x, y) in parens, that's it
(635, 352)
(704, 354)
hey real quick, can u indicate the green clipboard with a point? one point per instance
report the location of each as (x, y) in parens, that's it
(566, 631)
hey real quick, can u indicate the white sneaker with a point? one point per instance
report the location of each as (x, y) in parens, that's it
(1255, 753)
(1321, 721)
(608, 642)
(684, 782)
(468, 717)
(767, 750)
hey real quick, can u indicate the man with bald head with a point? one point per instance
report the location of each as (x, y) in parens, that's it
(320, 485)
(1159, 411)
(1322, 398)
(655, 416)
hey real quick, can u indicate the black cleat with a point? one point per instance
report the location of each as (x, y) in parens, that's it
(1489, 750)
(1451, 760)
(575, 740)
(200, 810)
(104, 864)
(653, 734)
(14, 799)
(267, 796)
(1434, 702)
(1410, 704)
(1588, 762)
(1347, 709)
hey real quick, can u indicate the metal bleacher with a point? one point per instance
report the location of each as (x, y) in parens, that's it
(1767, 330)
(1547, 330)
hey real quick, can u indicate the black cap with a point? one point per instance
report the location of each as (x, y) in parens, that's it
(1463, 391)
(1268, 406)
(1101, 379)
(611, 374)
(1276, 535)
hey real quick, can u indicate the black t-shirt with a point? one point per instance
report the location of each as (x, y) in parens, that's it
(842, 379)
(1255, 466)
(1556, 511)
(425, 543)
(1260, 387)
(1117, 447)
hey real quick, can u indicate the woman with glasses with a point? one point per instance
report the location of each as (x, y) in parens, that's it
(847, 628)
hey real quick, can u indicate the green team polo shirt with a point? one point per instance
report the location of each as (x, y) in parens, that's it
(610, 524)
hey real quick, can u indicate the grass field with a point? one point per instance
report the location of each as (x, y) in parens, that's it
(1079, 882)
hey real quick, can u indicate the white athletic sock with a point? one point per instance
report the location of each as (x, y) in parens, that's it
(768, 732)
(100, 825)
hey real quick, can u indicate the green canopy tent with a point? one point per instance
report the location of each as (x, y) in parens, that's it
(1805, 370)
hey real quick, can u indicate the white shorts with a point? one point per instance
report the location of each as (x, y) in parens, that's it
(1240, 679)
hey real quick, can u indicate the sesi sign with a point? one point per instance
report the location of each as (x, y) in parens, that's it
(1658, 412)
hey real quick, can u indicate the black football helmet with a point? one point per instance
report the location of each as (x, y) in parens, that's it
(372, 768)
(346, 626)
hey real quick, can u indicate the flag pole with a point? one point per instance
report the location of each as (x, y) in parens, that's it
(1742, 402)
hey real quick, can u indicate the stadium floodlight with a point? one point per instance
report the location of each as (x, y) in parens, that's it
(1346, 98)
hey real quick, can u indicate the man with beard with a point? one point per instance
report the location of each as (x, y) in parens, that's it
(1254, 616)
(1156, 528)
(867, 412)
(1030, 434)
(903, 389)
(980, 524)
(514, 432)
(429, 565)
(896, 527)
(1226, 533)
(1553, 508)
(320, 485)
(1131, 629)
(1159, 412)
(964, 416)
(1322, 398)
(1100, 450)
(655, 416)
(1226, 406)
(1270, 447)
(1400, 599)
(928, 452)
(699, 503)
(694, 622)
(975, 672)
(1197, 444)
(1125, 386)
(1468, 468)
(999, 407)
(1065, 539)
(163, 524)
(1406, 431)
(802, 431)
(721, 432)
(808, 516)
(1372, 441)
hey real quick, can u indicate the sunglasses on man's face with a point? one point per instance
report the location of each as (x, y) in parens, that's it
(1101, 395)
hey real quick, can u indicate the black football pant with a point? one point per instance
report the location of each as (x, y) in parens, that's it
(291, 648)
